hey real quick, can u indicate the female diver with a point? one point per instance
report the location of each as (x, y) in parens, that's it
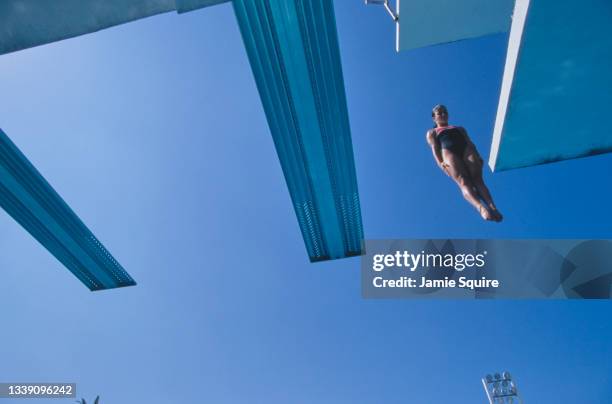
(457, 156)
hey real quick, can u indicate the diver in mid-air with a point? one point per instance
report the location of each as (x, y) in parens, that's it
(457, 156)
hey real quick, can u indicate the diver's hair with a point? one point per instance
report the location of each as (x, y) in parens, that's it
(437, 107)
(433, 111)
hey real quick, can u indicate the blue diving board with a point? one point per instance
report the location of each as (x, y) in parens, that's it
(33, 203)
(557, 84)
(293, 49)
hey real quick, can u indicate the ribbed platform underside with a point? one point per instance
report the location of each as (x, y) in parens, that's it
(34, 204)
(293, 49)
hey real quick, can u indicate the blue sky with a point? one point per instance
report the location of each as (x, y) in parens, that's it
(154, 133)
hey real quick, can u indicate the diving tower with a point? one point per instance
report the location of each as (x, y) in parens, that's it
(292, 46)
(556, 79)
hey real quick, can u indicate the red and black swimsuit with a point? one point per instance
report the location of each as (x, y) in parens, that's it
(452, 138)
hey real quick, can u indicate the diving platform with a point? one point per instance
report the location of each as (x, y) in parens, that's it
(293, 49)
(556, 88)
(34, 204)
(28, 23)
(422, 23)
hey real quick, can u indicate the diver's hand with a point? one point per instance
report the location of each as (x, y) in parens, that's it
(444, 167)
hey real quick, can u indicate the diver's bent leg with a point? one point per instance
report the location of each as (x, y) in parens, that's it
(459, 174)
(474, 165)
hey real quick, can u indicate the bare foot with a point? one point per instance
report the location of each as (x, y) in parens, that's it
(498, 217)
(486, 215)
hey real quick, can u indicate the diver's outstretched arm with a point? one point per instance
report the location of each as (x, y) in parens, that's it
(436, 150)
